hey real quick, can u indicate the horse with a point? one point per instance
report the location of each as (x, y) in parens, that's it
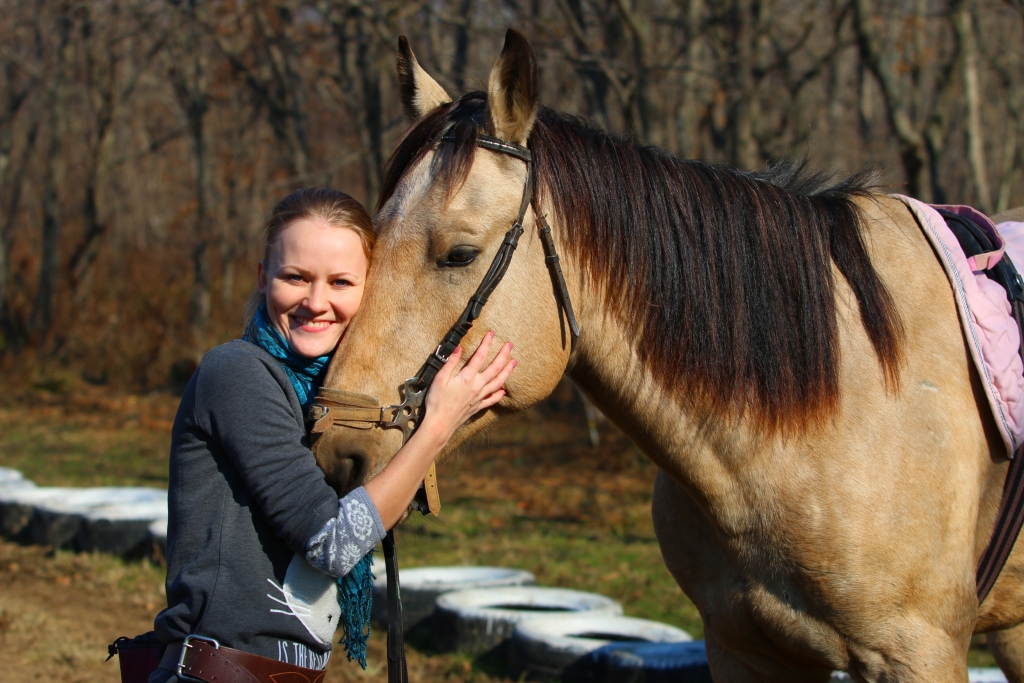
(784, 346)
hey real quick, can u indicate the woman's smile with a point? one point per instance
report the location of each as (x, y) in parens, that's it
(308, 325)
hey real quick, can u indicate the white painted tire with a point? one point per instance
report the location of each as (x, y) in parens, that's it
(476, 621)
(11, 478)
(82, 518)
(544, 648)
(16, 508)
(102, 518)
(122, 528)
(421, 587)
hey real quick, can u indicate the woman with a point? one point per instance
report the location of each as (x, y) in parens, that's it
(255, 535)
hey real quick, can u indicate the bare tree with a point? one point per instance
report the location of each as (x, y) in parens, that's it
(189, 74)
(21, 80)
(119, 42)
(261, 49)
(911, 87)
(57, 103)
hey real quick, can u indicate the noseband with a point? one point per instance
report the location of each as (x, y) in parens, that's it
(360, 411)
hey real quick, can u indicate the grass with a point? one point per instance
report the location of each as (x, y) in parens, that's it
(86, 439)
(533, 495)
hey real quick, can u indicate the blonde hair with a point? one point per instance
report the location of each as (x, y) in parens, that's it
(333, 206)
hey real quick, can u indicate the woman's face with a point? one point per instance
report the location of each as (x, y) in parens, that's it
(313, 284)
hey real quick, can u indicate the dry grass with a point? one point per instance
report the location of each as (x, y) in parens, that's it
(533, 494)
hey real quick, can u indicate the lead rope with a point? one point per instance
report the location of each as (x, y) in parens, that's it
(398, 671)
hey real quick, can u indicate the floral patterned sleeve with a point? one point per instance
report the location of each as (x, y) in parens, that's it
(345, 539)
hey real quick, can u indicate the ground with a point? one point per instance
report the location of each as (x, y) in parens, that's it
(533, 494)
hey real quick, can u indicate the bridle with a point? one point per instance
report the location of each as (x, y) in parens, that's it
(360, 411)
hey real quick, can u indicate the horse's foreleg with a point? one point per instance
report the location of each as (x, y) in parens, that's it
(728, 666)
(1008, 648)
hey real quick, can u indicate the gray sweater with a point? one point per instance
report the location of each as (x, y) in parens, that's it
(255, 535)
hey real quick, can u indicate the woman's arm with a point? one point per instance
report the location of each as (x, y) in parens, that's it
(452, 399)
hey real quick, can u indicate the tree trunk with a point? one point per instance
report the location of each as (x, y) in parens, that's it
(914, 149)
(57, 101)
(688, 117)
(743, 148)
(190, 84)
(461, 58)
(964, 26)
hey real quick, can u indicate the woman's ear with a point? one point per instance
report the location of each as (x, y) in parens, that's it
(420, 93)
(261, 278)
(512, 90)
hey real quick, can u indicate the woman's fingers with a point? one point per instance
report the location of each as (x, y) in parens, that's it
(477, 361)
(489, 401)
(499, 380)
(496, 365)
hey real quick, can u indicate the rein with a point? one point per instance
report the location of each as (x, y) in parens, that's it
(361, 411)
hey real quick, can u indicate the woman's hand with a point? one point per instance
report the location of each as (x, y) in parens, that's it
(454, 397)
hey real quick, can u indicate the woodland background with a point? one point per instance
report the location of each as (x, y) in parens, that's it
(142, 142)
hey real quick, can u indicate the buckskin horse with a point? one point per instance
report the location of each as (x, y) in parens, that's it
(784, 347)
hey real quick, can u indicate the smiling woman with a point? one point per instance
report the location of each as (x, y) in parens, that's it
(264, 560)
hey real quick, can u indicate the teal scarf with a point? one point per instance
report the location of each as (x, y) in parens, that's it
(303, 372)
(355, 589)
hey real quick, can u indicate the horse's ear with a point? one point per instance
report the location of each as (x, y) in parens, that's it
(420, 92)
(512, 90)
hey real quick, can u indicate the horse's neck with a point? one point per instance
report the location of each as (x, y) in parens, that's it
(709, 457)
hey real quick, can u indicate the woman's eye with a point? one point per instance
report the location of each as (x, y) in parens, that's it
(292, 277)
(460, 256)
(341, 283)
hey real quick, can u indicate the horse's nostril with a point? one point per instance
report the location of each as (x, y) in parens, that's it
(346, 472)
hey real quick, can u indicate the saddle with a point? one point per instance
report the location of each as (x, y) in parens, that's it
(984, 250)
(976, 241)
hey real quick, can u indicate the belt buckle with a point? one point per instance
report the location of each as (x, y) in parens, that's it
(184, 649)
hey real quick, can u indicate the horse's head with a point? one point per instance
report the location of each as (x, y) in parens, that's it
(446, 207)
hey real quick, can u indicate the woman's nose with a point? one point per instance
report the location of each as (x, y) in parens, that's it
(316, 301)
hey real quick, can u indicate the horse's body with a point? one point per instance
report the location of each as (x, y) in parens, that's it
(816, 527)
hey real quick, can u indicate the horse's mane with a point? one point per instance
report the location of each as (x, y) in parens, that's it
(725, 276)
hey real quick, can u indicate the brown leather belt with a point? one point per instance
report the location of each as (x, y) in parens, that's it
(203, 659)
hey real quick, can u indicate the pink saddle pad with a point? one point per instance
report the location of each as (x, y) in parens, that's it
(991, 333)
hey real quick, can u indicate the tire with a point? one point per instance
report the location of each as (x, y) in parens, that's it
(63, 522)
(121, 529)
(650, 663)
(476, 621)
(10, 478)
(543, 649)
(422, 586)
(16, 509)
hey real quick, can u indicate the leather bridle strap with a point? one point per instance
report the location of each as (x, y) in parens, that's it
(555, 268)
(494, 274)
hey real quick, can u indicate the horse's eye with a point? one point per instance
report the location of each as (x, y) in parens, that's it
(460, 256)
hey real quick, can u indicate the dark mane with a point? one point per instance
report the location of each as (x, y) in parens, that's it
(735, 267)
